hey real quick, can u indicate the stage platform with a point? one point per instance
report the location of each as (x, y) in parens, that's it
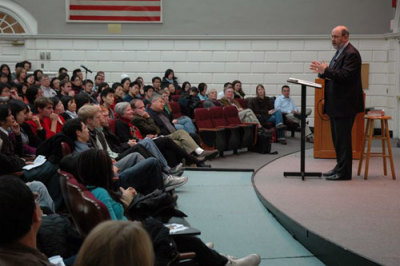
(353, 222)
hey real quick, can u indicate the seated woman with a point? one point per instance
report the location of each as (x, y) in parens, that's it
(169, 78)
(264, 109)
(94, 169)
(69, 107)
(202, 91)
(58, 109)
(245, 115)
(102, 247)
(237, 89)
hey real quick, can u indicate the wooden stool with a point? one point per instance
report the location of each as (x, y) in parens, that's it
(369, 133)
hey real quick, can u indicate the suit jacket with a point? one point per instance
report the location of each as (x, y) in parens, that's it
(163, 128)
(343, 90)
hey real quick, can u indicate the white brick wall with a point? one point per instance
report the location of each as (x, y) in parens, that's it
(217, 61)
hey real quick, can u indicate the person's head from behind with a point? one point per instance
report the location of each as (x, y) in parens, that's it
(260, 91)
(95, 169)
(6, 117)
(81, 99)
(193, 91)
(115, 243)
(20, 213)
(76, 130)
(286, 91)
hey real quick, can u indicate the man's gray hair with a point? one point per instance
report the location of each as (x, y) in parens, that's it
(155, 97)
(120, 108)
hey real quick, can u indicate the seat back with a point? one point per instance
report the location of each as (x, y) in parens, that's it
(65, 148)
(176, 109)
(202, 117)
(111, 124)
(217, 116)
(175, 98)
(231, 115)
(242, 102)
(85, 209)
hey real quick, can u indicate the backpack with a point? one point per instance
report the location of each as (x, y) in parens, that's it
(157, 204)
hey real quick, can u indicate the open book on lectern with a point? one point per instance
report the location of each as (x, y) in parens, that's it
(304, 82)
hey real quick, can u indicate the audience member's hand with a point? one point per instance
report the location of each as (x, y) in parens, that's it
(271, 111)
(36, 119)
(127, 195)
(132, 142)
(113, 161)
(175, 121)
(150, 136)
(240, 109)
(115, 169)
(54, 117)
(15, 128)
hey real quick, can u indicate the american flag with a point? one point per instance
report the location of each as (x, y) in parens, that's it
(114, 11)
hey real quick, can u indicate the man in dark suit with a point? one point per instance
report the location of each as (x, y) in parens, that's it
(343, 98)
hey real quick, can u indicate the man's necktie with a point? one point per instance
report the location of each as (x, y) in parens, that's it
(333, 61)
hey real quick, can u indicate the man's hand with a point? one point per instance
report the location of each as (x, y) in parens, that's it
(132, 142)
(115, 169)
(54, 117)
(175, 121)
(318, 67)
(150, 136)
(16, 129)
(271, 111)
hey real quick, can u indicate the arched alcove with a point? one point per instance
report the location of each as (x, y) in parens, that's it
(14, 19)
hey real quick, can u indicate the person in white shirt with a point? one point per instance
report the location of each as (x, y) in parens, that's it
(288, 107)
(45, 86)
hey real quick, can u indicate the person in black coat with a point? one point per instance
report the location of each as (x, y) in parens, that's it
(343, 98)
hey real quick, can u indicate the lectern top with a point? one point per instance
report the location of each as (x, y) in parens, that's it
(304, 82)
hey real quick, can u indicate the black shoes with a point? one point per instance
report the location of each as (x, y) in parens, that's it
(331, 172)
(337, 177)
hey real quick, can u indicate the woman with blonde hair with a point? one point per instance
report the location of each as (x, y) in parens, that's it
(116, 243)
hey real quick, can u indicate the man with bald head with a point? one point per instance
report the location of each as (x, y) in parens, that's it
(343, 98)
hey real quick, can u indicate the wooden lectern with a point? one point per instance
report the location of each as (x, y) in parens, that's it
(323, 146)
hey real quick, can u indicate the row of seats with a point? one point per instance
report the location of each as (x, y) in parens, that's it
(221, 129)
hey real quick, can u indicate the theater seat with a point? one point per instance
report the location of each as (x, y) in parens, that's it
(248, 131)
(232, 131)
(211, 137)
(85, 209)
(176, 109)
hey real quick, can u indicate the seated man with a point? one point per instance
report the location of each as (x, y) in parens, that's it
(166, 128)
(245, 115)
(143, 174)
(286, 105)
(19, 225)
(264, 109)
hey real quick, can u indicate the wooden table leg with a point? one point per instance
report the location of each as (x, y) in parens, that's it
(384, 137)
(390, 150)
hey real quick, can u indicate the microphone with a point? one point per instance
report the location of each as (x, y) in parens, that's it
(87, 69)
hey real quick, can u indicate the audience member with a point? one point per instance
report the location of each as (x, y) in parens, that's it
(45, 86)
(287, 106)
(116, 243)
(237, 89)
(202, 91)
(169, 78)
(211, 99)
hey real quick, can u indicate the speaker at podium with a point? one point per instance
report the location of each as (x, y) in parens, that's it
(323, 146)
